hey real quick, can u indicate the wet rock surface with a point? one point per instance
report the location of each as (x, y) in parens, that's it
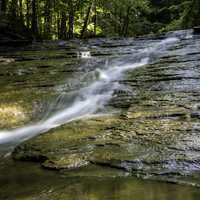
(156, 131)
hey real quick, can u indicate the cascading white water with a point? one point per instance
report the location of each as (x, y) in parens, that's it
(89, 99)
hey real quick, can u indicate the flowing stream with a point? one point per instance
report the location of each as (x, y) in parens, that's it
(92, 98)
(138, 105)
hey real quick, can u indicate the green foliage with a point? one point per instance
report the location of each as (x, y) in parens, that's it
(191, 14)
(183, 15)
(65, 19)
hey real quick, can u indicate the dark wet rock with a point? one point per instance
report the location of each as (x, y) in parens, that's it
(33, 156)
(196, 30)
(195, 114)
(155, 133)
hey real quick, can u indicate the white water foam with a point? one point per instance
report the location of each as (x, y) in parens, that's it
(89, 99)
(84, 54)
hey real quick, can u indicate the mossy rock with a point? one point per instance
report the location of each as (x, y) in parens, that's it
(71, 161)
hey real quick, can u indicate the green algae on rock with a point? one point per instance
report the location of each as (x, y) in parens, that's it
(155, 133)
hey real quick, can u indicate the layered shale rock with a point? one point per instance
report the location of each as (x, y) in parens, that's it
(155, 135)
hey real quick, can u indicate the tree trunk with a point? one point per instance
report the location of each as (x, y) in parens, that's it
(1, 2)
(86, 20)
(48, 19)
(28, 13)
(3, 5)
(58, 24)
(71, 20)
(95, 18)
(115, 14)
(63, 26)
(21, 11)
(126, 22)
(120, 28)
(34, 20)
(14, 9)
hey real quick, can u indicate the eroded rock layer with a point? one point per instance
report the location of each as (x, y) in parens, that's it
(155, 133)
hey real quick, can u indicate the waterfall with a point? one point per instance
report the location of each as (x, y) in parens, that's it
(91, 98)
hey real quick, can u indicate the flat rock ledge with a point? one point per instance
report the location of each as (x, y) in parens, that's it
(155, 136)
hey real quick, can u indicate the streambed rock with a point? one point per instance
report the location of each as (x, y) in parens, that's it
(155, 135)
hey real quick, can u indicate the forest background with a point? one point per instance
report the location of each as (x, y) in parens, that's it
(67, 19)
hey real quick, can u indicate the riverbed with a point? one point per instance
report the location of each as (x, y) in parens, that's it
(101, 119)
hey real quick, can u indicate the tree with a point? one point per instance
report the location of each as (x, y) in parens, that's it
(86, 19)
(191, 15)
(34, 18)
(66, 19)
(71, 20)
(14, 9)
(27, 14)
(3, 5)
(48, 11)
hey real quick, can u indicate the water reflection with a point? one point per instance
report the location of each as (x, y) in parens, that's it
(29, 182)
